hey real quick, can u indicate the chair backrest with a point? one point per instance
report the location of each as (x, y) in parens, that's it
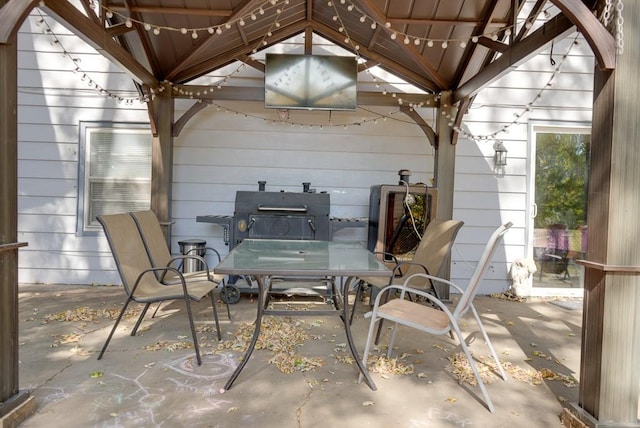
(152, 237)
(471, 290)
(434, 246)
(128, 251)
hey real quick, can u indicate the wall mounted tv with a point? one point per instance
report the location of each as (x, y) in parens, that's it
(312, 82)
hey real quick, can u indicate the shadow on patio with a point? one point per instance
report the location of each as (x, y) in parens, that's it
(304, 376)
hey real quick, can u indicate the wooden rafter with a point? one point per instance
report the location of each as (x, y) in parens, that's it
(557, 27)
(161, 10)
(421, 62)
(461, 22)
(118, 30)
(255, 93)
(85, 28)
(533, 14)
(197, 70)
(184, 62)
(143, 36)
(494, 45)
(467, 67)
(601, 41)
(90, 12)
(411, 76)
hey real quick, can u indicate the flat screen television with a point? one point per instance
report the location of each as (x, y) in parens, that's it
(312, 82)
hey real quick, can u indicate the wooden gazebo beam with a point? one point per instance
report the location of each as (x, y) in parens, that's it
(65, 13)
(600, 40)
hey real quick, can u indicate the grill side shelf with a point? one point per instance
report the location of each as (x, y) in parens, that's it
(338, 223)
(226, 221)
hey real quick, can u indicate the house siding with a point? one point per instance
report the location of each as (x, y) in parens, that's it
(222, 151)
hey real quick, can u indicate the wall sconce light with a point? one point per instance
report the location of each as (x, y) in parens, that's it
(499, 158)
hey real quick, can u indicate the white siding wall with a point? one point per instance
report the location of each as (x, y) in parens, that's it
(483, 200)
(52, 100)
(221, 152)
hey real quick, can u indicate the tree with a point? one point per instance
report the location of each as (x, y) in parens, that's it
(562, 163)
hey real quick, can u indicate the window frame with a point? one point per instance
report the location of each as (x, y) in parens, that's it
(84, 228)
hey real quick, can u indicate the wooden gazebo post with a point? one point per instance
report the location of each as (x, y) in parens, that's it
(15, 405)
(610, 361)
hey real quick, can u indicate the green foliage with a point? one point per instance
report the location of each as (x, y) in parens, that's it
(562, 164)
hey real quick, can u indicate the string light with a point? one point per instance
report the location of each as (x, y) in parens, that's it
(83, 75)
(363, 17)
(518, 116)
(193, 31)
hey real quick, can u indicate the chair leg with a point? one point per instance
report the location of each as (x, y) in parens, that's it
(386, 299)
(367, 346)
(472, 363)
(157, 309)
(215, 315)
(489, 344)
(187, 301)
(393, 338)
(113, 329)
(140, 318)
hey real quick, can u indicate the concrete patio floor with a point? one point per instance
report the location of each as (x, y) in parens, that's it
(151, 380)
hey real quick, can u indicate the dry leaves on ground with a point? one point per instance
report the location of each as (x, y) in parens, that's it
(87, 314)
(459, 366)
(282, 337)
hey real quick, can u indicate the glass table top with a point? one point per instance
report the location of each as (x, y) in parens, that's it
(297, 257)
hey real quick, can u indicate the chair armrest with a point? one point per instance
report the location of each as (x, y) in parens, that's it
(398, 268)
(403, 291)
(160, 269)
(182, 258)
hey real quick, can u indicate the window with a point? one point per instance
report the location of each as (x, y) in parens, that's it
(114, 171)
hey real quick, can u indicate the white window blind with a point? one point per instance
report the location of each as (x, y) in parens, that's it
(117, 172)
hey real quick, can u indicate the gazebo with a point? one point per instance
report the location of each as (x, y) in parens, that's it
(409, 39)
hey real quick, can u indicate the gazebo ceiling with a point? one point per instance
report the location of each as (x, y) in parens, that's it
(436, 45)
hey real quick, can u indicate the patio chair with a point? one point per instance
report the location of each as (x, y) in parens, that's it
(442, 320)
(432, 251)
(158, 252)
(139, 277)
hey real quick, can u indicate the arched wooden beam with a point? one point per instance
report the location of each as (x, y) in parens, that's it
(186, 117)
(428, 131)
(462, 110)
(12, 15)
(600, 40)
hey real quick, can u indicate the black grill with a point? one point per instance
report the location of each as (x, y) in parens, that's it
(279, 215)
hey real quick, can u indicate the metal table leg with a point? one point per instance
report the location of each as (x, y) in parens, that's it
(256, 333)
(347, 326)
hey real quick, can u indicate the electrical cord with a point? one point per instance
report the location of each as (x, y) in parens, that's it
(409, 200)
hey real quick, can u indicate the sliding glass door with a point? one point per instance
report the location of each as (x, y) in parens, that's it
(558, 228)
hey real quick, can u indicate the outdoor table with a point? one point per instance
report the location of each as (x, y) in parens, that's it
(265, 258)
